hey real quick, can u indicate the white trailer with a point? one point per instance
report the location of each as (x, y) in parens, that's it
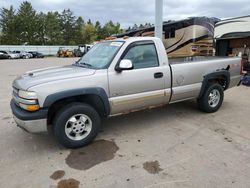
(232, 36)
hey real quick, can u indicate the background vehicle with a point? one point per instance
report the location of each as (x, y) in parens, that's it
(4, 56)
(79, 52)
(36, 54)
(24, 55)
(113, 78)
(10, 55)
(82, 49)
(88, 47)
(62, 52)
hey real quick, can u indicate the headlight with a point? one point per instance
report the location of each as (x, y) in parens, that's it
(27, 94)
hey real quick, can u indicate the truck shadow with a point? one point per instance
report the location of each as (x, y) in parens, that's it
(41, 142)
(113, 127)
(166, 114)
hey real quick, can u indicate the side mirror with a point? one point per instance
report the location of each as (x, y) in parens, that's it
(125, 64)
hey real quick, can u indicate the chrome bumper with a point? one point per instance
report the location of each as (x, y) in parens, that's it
(32, 126)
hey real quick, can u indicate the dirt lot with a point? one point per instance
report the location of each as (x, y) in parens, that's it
(173, 146)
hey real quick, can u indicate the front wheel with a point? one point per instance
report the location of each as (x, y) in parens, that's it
(212, 98)
(76, 125)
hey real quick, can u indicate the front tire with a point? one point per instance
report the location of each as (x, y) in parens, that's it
(76, 125)
(212, 98)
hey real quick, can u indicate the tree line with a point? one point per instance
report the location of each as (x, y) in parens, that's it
(27, 26)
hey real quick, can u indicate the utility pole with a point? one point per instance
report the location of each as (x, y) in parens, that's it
(158, 18)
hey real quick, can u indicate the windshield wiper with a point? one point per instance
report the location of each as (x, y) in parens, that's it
(77, 63)
(86, 64)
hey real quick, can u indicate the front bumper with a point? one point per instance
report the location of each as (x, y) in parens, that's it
(32, 126)
(33, 122)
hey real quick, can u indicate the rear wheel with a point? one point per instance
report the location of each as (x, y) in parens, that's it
(76, 125)
(212, 98)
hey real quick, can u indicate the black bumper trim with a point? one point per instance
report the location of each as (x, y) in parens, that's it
(25, 115)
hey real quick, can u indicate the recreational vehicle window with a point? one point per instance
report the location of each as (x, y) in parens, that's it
(170, 34)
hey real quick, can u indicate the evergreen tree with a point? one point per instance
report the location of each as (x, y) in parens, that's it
(53, 29)
(68, 25)
(78, 30)
(89, 33)
(25, 25)
(89, 21)
(135, 27)
(99, 30)
(141, 26)
(40, 24)
(110, 28)
(7, 25)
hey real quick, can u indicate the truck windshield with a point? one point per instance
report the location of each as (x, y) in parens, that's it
(100, 55)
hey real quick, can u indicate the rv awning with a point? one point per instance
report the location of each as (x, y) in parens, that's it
(234, 35)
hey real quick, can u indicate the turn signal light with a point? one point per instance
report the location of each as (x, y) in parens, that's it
(30, 107)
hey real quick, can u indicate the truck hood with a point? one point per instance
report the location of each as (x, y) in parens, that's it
(50, 74)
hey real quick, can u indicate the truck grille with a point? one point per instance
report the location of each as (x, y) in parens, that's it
(15, 91)
(15, 95)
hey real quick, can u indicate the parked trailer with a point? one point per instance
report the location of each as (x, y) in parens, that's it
(232, 36)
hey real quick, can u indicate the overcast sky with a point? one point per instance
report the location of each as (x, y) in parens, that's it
(129, 12)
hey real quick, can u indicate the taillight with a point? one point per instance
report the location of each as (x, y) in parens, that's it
(242, 65)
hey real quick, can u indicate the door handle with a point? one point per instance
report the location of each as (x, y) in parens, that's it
(158, 75)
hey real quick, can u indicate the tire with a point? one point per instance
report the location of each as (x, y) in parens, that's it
(76, 125)
(212, 98)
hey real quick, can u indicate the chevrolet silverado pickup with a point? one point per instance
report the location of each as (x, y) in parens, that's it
(116, 77)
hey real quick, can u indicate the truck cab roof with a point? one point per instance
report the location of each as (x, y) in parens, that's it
(134, 39)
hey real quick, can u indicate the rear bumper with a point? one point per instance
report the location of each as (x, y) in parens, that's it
(33, 122)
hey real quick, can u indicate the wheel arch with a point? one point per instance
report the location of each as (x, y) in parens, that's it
(222, 77)
(95, 97)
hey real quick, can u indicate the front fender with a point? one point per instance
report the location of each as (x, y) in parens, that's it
(49, 100)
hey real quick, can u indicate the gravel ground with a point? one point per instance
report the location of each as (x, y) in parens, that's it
(172, 146)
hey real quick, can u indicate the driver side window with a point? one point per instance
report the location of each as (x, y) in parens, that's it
(142, 56)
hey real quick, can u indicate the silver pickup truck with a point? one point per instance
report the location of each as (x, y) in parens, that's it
(116, 77)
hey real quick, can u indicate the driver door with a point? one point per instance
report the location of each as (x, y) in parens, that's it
(141, 87)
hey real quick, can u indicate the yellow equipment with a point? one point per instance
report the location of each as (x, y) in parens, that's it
(62, 52)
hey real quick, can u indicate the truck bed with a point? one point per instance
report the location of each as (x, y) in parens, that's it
(181, 60)
(188, 73)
